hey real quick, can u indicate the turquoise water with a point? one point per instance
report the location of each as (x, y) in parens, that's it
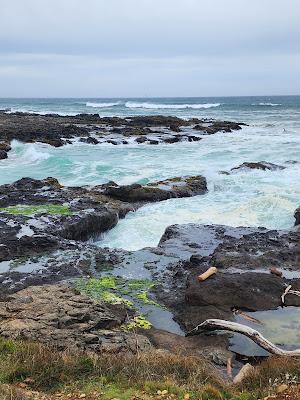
(256, 198)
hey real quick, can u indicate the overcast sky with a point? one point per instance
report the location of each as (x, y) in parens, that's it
(140, 48)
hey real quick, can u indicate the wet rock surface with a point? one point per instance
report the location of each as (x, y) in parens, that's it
(243, 257)
(261, 165)
(60, 316)
(77, 213)
(48, 247)
(297, 216)
(92, 129)
(163, 190)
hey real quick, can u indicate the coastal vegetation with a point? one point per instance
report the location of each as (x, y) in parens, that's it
(32, 371)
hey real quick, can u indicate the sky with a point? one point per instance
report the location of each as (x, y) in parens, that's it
(149, 48)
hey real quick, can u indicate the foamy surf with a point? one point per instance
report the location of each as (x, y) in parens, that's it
(157, 106)
(40, 112)
(101, 105)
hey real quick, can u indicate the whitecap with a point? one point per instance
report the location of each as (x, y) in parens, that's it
(131, 104)
(28, 153)
(39, 112)
(266, 104)
(101, 105)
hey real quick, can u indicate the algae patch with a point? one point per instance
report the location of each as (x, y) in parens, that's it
(139, 321)
(134, 293)
(52, 209)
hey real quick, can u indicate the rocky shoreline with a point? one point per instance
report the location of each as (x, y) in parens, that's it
(47, 233)
(57, 130)
(60, 288)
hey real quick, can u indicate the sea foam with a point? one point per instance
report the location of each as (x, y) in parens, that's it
(157, 106)
(101, 105)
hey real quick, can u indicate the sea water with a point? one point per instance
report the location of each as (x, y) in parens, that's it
(247, 197)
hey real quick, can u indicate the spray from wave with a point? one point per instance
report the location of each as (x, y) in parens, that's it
(28, 153)
(101, 105)
(131, 104)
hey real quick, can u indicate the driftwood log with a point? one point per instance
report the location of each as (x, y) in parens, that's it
(222, 325)
(211, 271)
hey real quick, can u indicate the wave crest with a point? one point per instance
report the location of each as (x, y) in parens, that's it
(39, 112)
(132, 104)
(101, 105)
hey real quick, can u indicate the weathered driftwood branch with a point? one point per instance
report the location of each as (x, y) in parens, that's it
(289, 290)
(220, 324)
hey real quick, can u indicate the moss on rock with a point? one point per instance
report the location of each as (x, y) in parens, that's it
(23, 209)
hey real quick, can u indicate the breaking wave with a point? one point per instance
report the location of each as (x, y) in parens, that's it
(101, 105)
(131, 104)
(266, 104)
(39, 112)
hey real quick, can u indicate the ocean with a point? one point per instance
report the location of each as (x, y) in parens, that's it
(245, 198)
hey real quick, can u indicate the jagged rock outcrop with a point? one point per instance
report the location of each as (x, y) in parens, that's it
(58, 130)
(243, 257)
(261, 165)
(39, 215)
(163, 190)
(60, 316)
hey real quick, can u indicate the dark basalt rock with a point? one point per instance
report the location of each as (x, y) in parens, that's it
(176, 187)
(89, 140)
(243, 257)
(262, 165)
(217, 126)
(297, 216)
(92, 211)
(3, 155)
(57, 130)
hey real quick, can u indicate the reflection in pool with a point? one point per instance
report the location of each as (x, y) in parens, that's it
(281, 326)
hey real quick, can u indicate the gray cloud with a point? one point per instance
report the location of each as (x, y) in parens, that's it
(149, 47)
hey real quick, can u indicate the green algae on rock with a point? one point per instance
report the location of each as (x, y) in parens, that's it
(139, 321)
(23, 209)
(114, 289)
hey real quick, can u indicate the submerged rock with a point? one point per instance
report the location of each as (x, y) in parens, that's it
(262, 165)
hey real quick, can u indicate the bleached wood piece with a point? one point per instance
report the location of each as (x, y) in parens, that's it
(211, 271)
(258, 338)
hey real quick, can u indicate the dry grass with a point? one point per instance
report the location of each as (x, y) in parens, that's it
(121, 375)
(49, 369)
(8, 392)
(273, 371)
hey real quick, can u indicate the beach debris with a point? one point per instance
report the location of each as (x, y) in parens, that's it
(247, 317)
(287, 291)
(243, 373)
(229, 367)
(281, 388)
(254, 335)
(276, 271)
(211, 271)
